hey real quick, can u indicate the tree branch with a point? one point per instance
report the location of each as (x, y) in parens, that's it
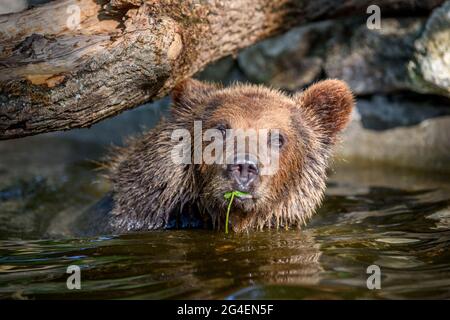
(58, 74)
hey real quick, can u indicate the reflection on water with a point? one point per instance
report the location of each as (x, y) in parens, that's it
(170, 264)
(396, 219)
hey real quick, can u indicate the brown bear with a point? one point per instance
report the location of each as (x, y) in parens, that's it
(150, 191)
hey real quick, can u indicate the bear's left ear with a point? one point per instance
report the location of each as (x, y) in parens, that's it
(330, 101)
(190, 93)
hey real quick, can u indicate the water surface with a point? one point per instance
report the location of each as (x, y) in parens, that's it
(396, 219)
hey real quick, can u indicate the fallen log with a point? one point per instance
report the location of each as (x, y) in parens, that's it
(71, 63)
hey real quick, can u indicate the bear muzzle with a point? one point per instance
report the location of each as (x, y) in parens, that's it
(244, 175)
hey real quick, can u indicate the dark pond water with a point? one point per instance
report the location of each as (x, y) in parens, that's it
(395, 219)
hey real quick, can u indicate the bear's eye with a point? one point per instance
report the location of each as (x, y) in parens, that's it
(222, 128)
(277, 140)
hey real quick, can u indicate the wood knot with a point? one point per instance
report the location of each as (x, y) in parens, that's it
(34, 46)
(175, 47)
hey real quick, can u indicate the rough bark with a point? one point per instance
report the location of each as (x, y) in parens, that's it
(127, 52)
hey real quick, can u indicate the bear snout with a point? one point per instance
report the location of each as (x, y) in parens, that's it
(244, 175)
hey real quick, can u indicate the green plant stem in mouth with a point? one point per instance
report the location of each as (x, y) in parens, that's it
(230, 195)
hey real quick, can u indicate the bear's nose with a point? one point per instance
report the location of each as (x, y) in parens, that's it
(244, 173)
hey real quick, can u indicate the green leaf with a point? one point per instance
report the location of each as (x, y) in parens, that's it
(230, 195)
(240, 193)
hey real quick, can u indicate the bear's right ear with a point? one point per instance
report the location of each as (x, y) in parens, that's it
(190, 93)
(330, 102)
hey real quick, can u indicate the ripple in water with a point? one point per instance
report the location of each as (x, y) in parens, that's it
(397, 220)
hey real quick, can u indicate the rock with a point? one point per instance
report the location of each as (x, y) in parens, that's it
(410, 54)
(430, 66)
(224, 71)
(115, 130)
(423, 146)
(381, 112)
(10, 6)
(289, 61)
(373, 61)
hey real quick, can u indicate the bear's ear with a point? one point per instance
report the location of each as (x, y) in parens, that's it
(331, 101)
(190, 93)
